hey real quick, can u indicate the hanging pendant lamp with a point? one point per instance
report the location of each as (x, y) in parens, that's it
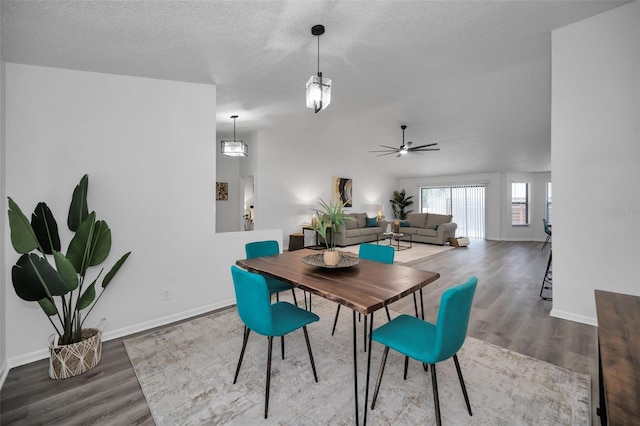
(318, 88)
(234, 148)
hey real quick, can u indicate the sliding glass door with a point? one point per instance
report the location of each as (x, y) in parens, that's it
(464, 202)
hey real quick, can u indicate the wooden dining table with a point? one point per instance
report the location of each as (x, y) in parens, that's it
(364, 288)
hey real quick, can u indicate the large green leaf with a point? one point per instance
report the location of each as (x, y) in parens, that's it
(48, 307)
(46, 228)
(101, 244)
(34, 279)
(80, 245)
(78, 210)
(87, 297)
(66, 270)
(23, 238)
(114, 270)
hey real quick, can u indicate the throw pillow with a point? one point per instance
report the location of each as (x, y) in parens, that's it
(372, 222)
(435, 227)
(404, 224)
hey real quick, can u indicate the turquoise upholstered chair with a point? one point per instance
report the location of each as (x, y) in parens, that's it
(269, 248)
(258, 314)
(376, 253)
(431, 343)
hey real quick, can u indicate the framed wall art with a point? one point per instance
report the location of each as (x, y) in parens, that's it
(222, 191)
(343, 191)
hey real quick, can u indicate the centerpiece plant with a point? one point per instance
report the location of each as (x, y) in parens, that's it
(327, 222)
(64, 292)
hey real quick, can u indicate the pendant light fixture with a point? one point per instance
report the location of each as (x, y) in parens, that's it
(318, 88)
(234, 148)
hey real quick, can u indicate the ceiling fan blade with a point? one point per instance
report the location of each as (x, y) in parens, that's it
(424, 150)
(387, 153)
(424, 146)
(399, 155)
(408, 144)
(390, 147)
(385, 150)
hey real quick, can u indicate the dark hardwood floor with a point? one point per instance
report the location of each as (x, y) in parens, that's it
(507, 312)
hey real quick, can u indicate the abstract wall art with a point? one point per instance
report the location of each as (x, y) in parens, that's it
(343, 191)
(222, 191)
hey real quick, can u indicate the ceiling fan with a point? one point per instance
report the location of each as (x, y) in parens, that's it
(406, 147)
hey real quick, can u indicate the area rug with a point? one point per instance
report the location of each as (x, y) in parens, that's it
(186, 373)
(417, 251)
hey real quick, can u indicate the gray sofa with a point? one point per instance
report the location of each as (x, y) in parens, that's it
(356, 231)
(429, 228)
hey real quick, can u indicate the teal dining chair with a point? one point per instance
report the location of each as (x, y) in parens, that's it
(430, 343)
(269, 248)
(375, 253)
(258, 314)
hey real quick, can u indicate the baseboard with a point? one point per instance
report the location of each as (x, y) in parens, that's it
(4, 371)
(573, 317)
(126, 331)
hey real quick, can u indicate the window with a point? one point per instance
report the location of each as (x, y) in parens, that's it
(465, 203)
(519, 204)
(548, 212)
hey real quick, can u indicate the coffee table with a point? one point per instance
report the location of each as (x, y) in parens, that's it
(398, 236)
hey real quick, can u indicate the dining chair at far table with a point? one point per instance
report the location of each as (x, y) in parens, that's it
(258, 314)
(269, 248)
(547, 230)
(375, 253)
(430, 343)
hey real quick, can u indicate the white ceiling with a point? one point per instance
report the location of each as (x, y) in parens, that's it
(474, 76)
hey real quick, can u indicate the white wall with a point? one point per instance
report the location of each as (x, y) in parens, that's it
(3, 219)
(497, 201)
(291, 178)
(595, 154)
(148, 147)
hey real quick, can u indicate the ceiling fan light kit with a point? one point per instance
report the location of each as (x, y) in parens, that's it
(235, 147)
(405, 148)
(318, 87)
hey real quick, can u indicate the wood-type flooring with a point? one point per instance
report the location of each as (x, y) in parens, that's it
(507, 311)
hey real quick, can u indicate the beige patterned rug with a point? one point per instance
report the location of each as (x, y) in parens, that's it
(417, 251)
(186, 373)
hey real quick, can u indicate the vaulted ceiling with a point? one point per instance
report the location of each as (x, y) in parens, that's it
(474, 76)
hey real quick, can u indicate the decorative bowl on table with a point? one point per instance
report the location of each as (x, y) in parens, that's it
(347, 260)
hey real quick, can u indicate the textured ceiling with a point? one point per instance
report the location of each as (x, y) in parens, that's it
(473, 75)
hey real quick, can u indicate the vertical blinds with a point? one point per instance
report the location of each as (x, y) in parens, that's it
(466, 203)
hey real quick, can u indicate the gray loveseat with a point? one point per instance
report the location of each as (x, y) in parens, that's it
(429, 228)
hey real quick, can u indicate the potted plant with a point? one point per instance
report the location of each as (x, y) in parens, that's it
(64, 292)
(399, 203)
(329, 219)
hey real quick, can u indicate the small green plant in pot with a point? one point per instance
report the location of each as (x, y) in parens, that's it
(327, 222)
(64, 292)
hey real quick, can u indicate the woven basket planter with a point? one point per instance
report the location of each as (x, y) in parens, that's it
(72, 360)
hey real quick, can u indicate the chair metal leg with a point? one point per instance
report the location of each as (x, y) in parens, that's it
(436, 400)
(335, 321)
(386, 308)
(245, 338)
(366, 391)
(415, 304)
(546, 242)
(295, 300)
(282, 343)
(380, 372)
(266, 395)
(313, 364)
(277, 297)
(464, 388)
(364, 332)
(406, 366)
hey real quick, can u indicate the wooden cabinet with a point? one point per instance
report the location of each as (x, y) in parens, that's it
(618, 358)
